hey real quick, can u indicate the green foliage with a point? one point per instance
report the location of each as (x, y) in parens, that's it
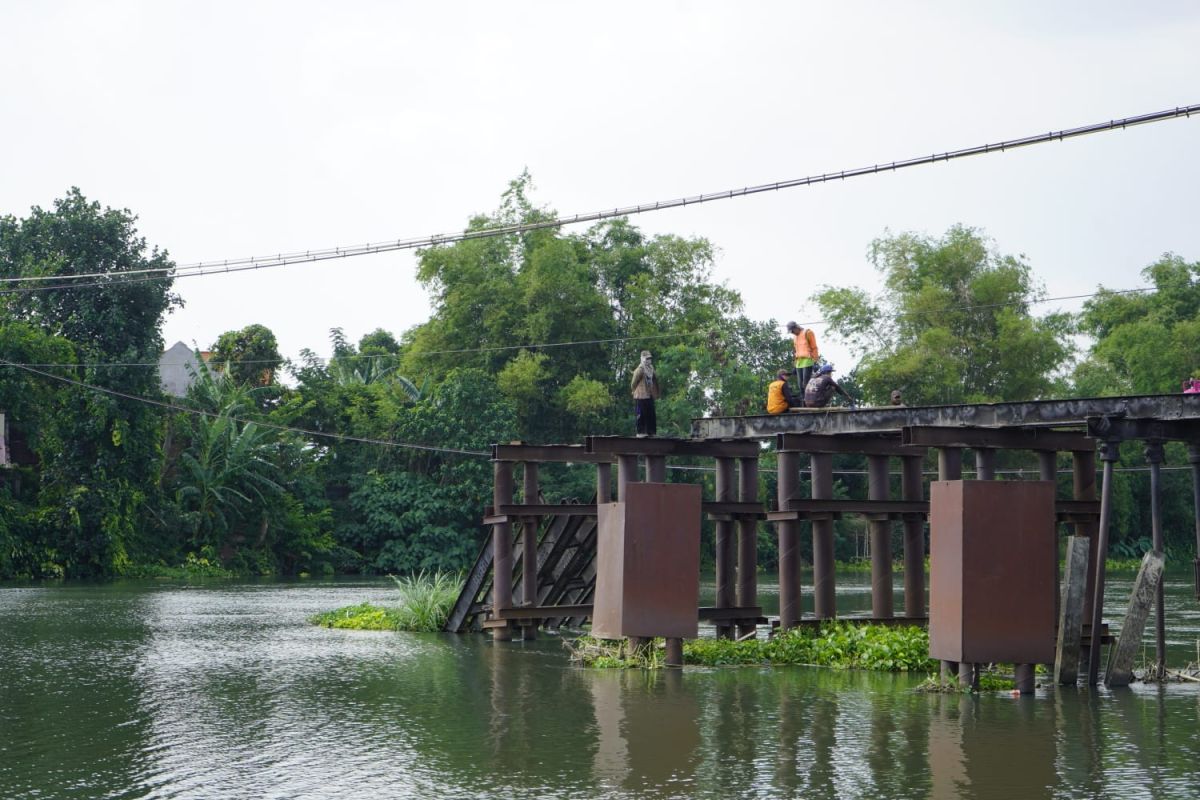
(361, 617)
(952, 324)
(839, 645)
(249, 356)
(97, 453)
(426, 599)
(1145, 342)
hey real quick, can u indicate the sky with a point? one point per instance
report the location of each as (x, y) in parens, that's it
(250, 128)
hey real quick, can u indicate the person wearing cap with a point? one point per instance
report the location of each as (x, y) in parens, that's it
(820, 389)
(646, 390)
(805, 343)
(780, 396)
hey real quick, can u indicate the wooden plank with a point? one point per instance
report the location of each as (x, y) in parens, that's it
(1070, 619)
(1145, 588)
(516, 510)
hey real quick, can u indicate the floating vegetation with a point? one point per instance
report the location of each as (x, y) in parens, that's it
(889, 648)
(424, 602)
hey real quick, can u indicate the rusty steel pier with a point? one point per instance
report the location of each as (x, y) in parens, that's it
(560, 540)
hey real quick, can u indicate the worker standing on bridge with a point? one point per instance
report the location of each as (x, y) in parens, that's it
(820, 389)
(805, 343)
(646, 390)
(779, 395)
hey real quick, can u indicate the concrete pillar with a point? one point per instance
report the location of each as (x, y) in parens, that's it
(881, 539)
(824, 588)
(911, 488)
(787, 486)
(502, 557)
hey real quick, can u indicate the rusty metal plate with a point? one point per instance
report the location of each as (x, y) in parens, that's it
(992, 571)
(648, 563)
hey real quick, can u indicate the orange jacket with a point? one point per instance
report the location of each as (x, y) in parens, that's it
(776, 401)
(806, 344)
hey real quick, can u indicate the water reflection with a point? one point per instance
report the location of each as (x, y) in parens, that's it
(226, 691)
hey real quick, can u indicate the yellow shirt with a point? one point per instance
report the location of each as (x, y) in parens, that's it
(776, 402)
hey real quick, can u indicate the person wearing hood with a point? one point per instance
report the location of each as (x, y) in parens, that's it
(820, 389)
(780, 396)
(646, 390)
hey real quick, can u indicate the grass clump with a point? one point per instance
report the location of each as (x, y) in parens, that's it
(841, 645)
(425, 600)
(423, 604)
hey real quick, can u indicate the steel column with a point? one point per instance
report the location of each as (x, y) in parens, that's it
(787, 486)
(726, 545)
(1083, 469)
(529, 544)
(656, 469)
(1194, 460)
(914, 539)
(502, 556)
(1109, 452)
(949, 463)
(824, 597)
(1048, 471)
(881, 539)
(985, 464)
(604, 483)
(1154, 455)
(949, 469)
(747, 542)
(627, 473)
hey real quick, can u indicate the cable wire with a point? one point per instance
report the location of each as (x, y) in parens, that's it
(283, 259)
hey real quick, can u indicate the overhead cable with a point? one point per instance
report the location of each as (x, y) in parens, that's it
(308, 256)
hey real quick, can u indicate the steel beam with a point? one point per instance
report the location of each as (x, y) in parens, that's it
(548, 453)
(881, 539)
(824, 582)
(654, 446)
(747, 541)
(1163, 430)
(859, 445)
(1154, 456)
(726, 546)
(502, 556)
(1042, 439)
(912, 490)
(1194, 460)
(1050, 413)
(1109, 453)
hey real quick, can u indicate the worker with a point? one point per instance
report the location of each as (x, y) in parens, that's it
(1191, 386)
(821, 387)
(895, 398)
(805, 343)
(646, 390)
(780, 396)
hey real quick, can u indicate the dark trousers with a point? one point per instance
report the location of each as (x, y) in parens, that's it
(803, 374)
(643, 413)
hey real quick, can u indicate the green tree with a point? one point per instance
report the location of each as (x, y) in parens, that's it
(1143, 342)
(952, 323)
(97, 480)
(249, 356)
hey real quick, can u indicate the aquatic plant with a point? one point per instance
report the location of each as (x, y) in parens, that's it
(426, 599)
(900, 648)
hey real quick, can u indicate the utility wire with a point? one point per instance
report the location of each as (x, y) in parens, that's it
(580, 342)
(200, 412)
(309, 256)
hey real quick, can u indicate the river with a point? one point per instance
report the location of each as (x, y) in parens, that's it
(223, 690)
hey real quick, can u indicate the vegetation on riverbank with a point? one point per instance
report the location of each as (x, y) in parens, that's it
(374, 459)
(423, 603)
(898, 648)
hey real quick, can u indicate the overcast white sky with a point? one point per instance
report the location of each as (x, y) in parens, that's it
(247, 128)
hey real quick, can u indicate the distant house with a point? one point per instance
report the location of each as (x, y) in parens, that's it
(177, 369)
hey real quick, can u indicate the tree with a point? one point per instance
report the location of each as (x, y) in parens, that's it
(951, 325)
(1143, 342)
(249, 356)
(98, 478)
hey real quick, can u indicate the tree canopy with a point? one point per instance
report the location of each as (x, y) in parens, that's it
(952, 324)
